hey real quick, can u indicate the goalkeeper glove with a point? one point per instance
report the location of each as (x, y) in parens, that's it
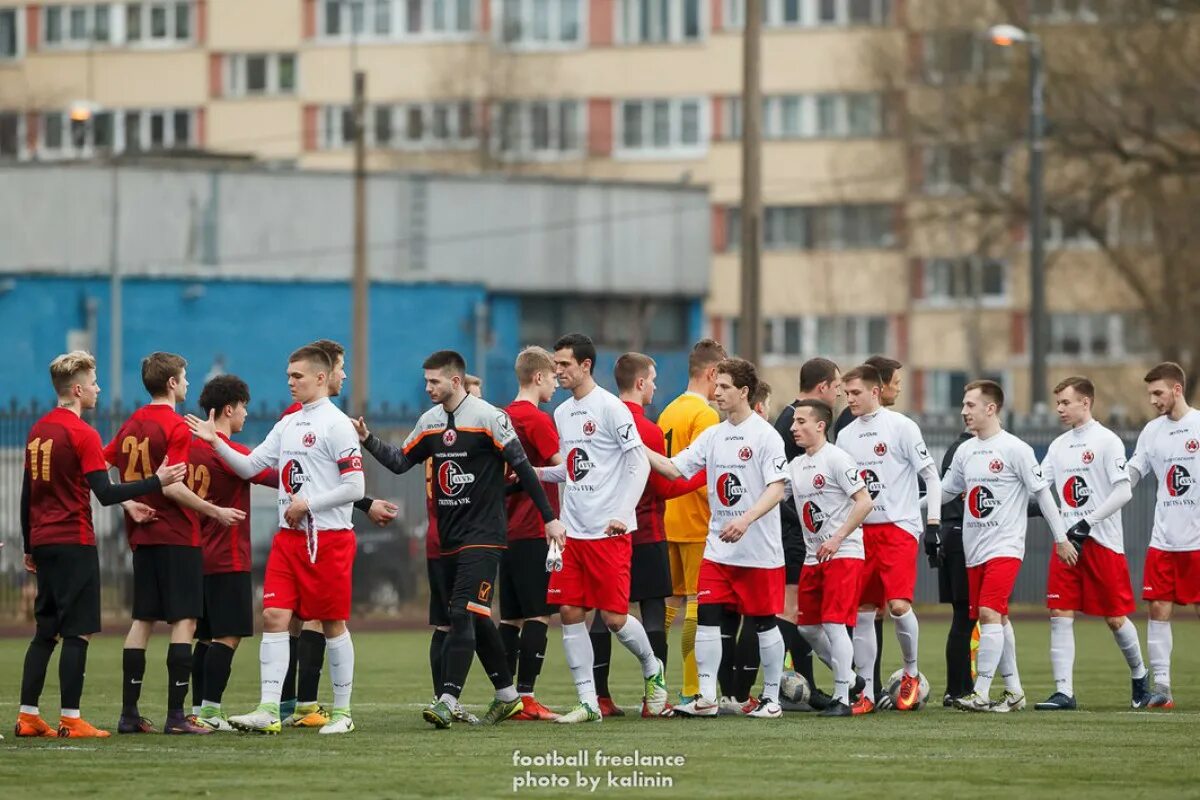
(933, 543)
(1077, 534)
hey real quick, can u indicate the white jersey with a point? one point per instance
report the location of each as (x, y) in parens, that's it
(594, 434)
(890, 451)
(1172, 451)
(312, 449)
(823, 487)
(997, 476)
(1084, 464)
(742, 460)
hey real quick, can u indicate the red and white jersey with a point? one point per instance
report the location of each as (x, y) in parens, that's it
(1084, 464)
(1172, 451)
(594, 433)
(997, 477)
(742, 460)
(823, 487)
(890, 451)
(312, 448)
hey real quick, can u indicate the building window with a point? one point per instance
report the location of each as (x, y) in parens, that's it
(540, 130)
(844, 337)
(955, 281)
(11, 35)
(130, 130)
(1088, 11)
(1069, 233)
(158, 23)
(956, 168)
(944, 389)
(411, 126)
(69, 26)
(665, 127)
(260, 74)
(612, 322)
(959, 56)
(808, 116)
(835, 227)
(397, 19)
(541, 23)
(658, 21)
(1099, 337)
(812, 13)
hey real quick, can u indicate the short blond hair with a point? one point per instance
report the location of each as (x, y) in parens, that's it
(531, 361)
(67, 368)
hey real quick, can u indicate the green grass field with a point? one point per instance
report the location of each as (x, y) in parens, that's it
(1106, 750)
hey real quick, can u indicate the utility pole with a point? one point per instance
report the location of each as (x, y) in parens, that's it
(1039, 335)
(360, 311)
(750, 344)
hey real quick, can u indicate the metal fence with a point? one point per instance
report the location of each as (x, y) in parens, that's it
(389, 574)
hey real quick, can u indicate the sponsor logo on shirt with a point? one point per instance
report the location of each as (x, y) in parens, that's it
(874, 485)
(745, 454)
(881, 449)
(589, 427)
(453, 479)
(814, 517)
(1088, 456)
(293, 477)
(996, 466)
(309, 439)
(981, 502)
(449, 437)
(729, 489)
(579, 464)
(1075, 492)
(1178, 480)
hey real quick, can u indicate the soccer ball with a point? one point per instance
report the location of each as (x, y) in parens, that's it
(893, 688)
(793, 688)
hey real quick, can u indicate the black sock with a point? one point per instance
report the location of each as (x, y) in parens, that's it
(133, 669)
(288, 694)
(958, 653)
(602, 652)
(725, 671)
(458, 653)
(37, 661)
(199, 654)
(533, 654)
(310, 658)
(179, 669)
(746, 660)
(436, 643)
(72, 663)
(510, 635)
(654, 620)
(879, 687)
(217, 666)
(490, 650)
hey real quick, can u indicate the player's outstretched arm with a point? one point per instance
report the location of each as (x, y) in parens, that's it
(387, 454)
(109, 494)
(556, 473)
(351, 487)
(735, 529)
(247, 467)
(515, 456)
(185, 497)
(663, 465)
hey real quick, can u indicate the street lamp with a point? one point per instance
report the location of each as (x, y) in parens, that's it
(1008, 36)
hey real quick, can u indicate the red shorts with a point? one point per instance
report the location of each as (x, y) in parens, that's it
(1098, 584)
(829, 592)
(595, 574)
(752, 591)
(890, 569)
(991, 584)
(314, 591)
(1173, 576)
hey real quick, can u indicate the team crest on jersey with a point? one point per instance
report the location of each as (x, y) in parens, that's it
(874, 485)
(1192, 445)
(578, 464)
(1178, 480)
(292, 476)
(1075, 491)
(449, 437)
(881, 449)
(745, 453)
(453, 479)
(818, 481)
(309, 439)
(589, 427)
(981, 502)
(1088, 456)
(729, 489)
(814, 517)
(996, 466)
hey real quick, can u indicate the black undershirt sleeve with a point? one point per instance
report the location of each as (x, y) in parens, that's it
(109, 494)
(364, 505)
(388, 455)
(25, 530)
(515, 455)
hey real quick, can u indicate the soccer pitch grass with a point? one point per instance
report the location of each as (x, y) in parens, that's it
(1104, 750)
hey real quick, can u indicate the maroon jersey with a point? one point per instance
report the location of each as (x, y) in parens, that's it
(653, 503)
(535, 429)
(61, 450)
(225, 549)
(153, 434)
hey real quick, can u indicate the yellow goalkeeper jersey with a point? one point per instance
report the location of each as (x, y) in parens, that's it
(682, 421)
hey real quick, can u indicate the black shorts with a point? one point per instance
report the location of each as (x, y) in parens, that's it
(68, 590)
(439, 594)
(523, 580)
(228, 606)
(650, 572)
(952, 575)
(168, 583)
(470, 575)
(793, 553)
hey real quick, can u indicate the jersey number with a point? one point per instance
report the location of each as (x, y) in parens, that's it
(44, 448)
(198, 479)
(138, 465)
(669, 435)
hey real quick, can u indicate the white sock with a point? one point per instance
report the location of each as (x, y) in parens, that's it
(1158, 642)
(842, 654)
(1127, 640)
(1062, 654)
(341, 668)
(196, 710)
(991, 644)
(865, 648)
(577, 646)
(507, 694)
(450, 700)
(770, 653)
(210, 704)
(906, 635)
(31, 710)
(818, 640)
(1008, 662)
(633, 636)
(273, 664)
(70, 713)
(708, 659)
